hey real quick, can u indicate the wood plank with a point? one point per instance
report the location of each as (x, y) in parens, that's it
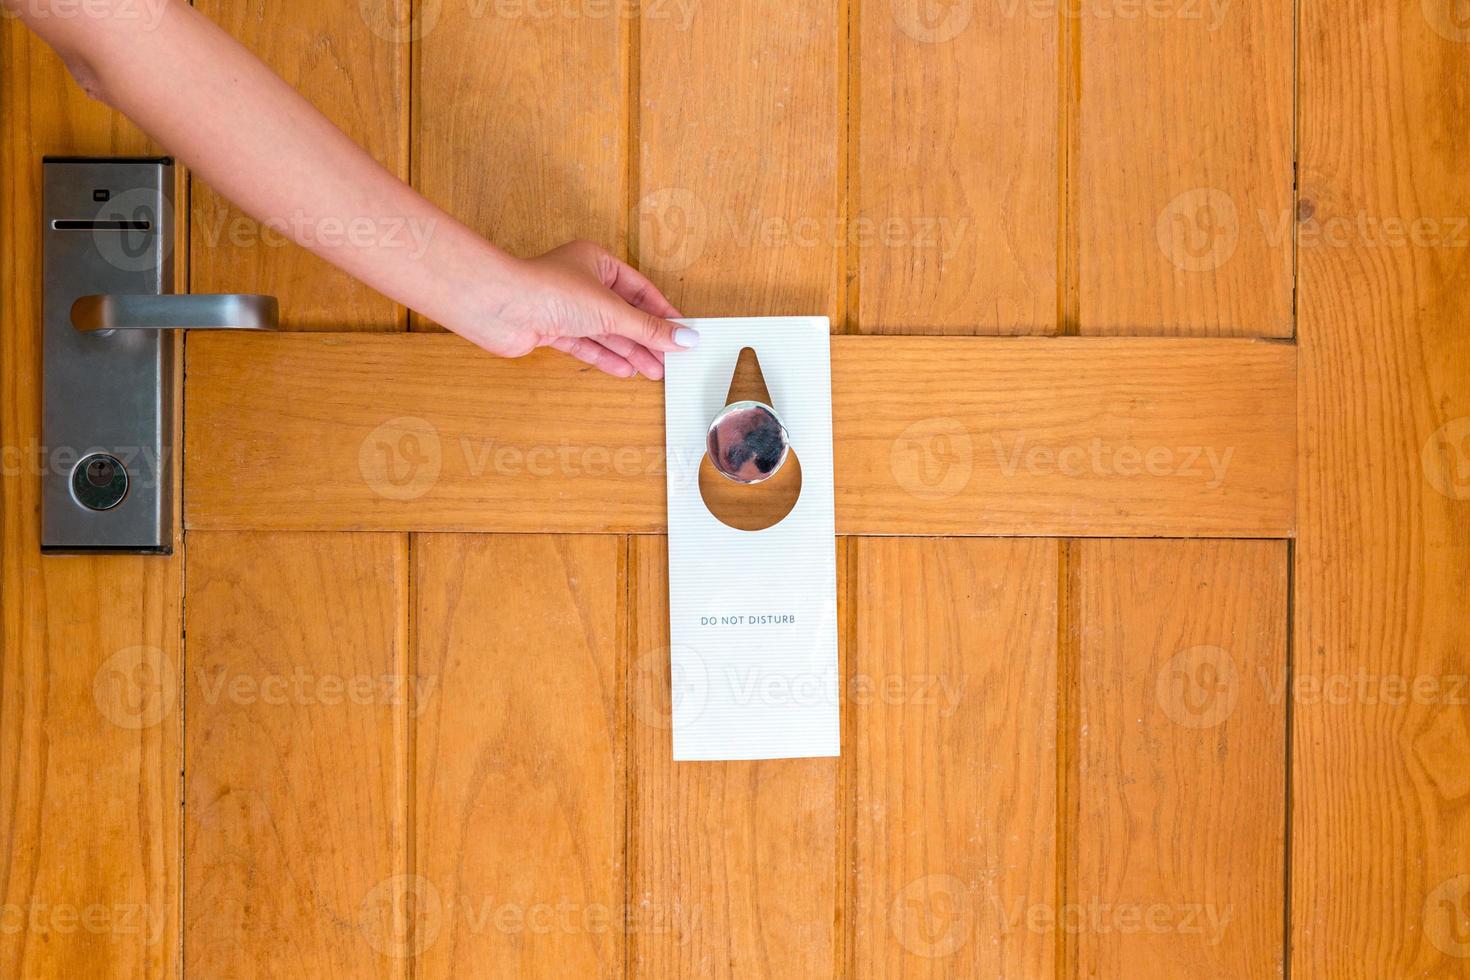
(1178, 817)
(1075, 436)
(733, 865)
(1381, 830)
(90, 647)
(295, 828)
(1182, 192)
(956, 185)
(519, 754)
(951, 767)
(347, 59)
(740, 199)
(521, 120)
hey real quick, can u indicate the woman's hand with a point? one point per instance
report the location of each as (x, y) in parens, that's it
(584, 302)
(246, 132)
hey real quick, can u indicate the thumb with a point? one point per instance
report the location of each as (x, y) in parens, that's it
(651, 331)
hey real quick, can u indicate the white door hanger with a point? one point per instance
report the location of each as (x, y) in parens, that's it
(752, 608)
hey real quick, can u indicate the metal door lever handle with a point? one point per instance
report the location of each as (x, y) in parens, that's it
(176, 311)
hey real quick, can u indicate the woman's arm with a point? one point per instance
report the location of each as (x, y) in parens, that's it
(248, 134)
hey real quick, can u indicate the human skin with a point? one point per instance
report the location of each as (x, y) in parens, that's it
(240, 128)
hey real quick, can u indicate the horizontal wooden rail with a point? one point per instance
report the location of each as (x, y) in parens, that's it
(934, 435)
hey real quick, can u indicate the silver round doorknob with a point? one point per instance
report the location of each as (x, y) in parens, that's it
(747, 442)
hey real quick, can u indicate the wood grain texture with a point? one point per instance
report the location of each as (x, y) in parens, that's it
(1181, 187)
(295, 829)
(951, 758)
(955, 167)
(733, 865)
(739, 209)
(1178, 819)
(348, 60)
(932, 436)
(90, 647)
(519, 748)
(1381, 825)
(520, 120)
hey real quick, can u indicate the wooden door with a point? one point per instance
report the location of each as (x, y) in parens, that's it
(1152, 439)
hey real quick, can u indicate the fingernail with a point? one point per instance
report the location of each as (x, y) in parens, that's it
(686, 337)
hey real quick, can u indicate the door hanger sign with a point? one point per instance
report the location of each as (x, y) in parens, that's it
(752, 541)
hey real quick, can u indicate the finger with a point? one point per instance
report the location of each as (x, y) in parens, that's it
(635, 287)
(589, 351)
(652, 332)
(648, 363)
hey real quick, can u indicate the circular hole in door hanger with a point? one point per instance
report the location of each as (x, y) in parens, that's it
(750, 477)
